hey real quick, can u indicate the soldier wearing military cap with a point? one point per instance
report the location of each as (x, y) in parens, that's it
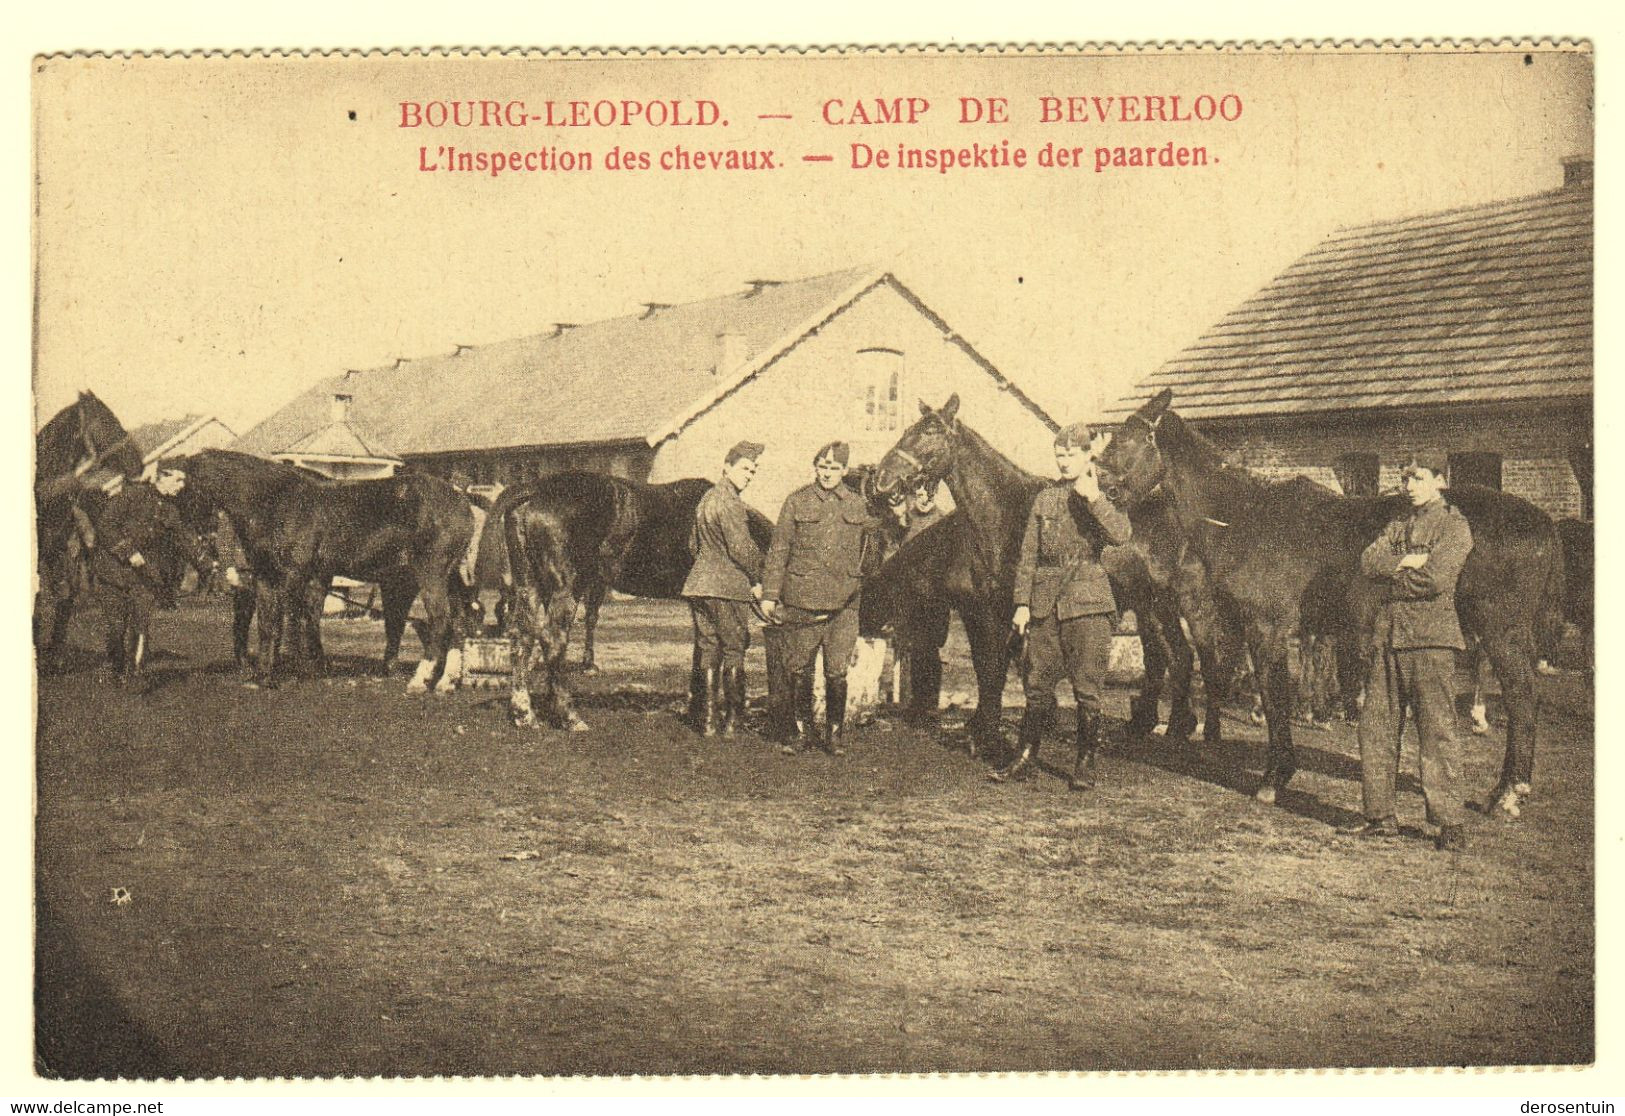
(813, 580)
(1415, 562)
(1064, 601)
(725, 579)
(139, 527)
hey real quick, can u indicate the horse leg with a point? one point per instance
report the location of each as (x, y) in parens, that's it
(397, 603)
(560, 615)
(1145, 707)
(1480, 666)
(594, 600)
(435, 636)
(991, 657)
(315, 600)
(1268, 645)
(269, 607)
(242, 619)
(1512, 651)
(1181, 673)
(525, 657)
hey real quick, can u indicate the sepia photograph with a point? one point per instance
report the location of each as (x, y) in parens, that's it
(854, 560)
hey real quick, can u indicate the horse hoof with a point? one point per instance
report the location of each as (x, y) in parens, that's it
(1266, 794)
(1081, 782)
(416, 687)
(444, 688)
(578, 725)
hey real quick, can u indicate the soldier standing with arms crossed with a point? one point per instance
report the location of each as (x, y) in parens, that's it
(1417, 559)
(725, 579)
(812, 582)
(1064, 602)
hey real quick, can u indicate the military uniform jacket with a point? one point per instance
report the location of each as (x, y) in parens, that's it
(816, 561)
(1059, 570)
(137, 521)
(727, 561)
(1420, 609)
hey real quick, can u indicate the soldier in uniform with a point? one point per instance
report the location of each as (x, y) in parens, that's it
(1064, 601)
(722, 584)
(1416, 561)
(923, 629)
(812, 581)
(139, 525)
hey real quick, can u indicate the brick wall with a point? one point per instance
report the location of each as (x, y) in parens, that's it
(1533, 444)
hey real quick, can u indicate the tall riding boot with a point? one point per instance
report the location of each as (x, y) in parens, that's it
(801, 690)
(711, 698)
(925, 681)
(732, 700)
(1083, 770)
(834, 714)
(696, 692)
(1034, 722)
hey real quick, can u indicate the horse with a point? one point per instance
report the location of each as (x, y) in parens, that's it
(408, 533)
(977, 560)
(81, 438)
(551, 544)
(1285, 556)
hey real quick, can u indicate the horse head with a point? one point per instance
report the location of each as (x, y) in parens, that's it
(104, 438)
(924, 452)
(1131, 466)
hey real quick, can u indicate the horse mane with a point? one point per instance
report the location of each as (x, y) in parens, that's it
(1007, 474)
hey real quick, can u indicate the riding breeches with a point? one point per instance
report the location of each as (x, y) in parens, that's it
(1078, 649)
(721, 631)
(805, 633)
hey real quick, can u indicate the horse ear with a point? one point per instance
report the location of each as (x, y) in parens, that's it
(951, 408)
(925, 408)
(1159, 403)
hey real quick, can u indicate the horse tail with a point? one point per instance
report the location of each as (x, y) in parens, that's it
(493, 568)
(1550, 609)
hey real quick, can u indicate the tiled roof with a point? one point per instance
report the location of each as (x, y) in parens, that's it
(154, 434)
(340, 439)
(617, 380)
(1487, 304)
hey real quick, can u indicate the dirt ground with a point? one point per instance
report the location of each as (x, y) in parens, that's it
(335, 878)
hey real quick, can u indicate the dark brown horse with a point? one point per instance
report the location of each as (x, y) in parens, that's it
(976, 566)
(1285, 556)
(555, 543)
(408, 533)
(81, 439)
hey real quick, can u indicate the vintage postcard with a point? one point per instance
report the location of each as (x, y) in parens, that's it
(835, 561)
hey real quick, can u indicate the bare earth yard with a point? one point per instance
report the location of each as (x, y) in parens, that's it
(317, 885)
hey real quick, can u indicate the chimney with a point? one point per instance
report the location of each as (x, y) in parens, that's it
(1577, 172)
(341, 406)
(730, 353)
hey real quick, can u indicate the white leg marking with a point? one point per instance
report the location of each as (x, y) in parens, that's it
(420, 677)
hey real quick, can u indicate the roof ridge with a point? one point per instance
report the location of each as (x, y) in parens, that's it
(1559, 193)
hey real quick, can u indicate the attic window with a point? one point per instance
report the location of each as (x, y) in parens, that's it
(880, 391)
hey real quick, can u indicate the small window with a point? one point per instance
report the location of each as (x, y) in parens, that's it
(880, 391)
(1483, 469)
(1357, 473)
